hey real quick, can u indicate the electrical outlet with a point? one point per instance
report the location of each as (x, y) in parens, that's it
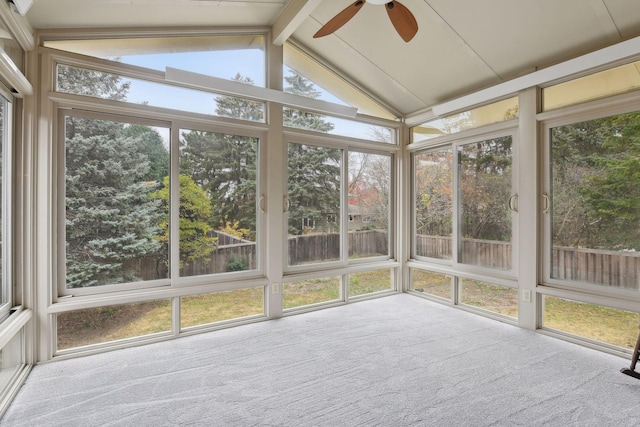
(275, 288)
(526, 295)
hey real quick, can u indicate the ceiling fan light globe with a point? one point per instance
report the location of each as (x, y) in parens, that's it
(378, 2)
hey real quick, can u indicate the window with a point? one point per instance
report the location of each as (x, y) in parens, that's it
(431, 283)
(472, 225)
(301, 293)
(218, 200)
(115, 173)
(624, 78)
(369, 204)
(327, 85)
(118, 87)
(487, 114)
(112, 323)
(315, 199)
(314, 193)
(203, 309)
(593, 206)
(433, 203)
(593, 322)
(5, 207)
(484, 193)
(214, 55)
(496, 299)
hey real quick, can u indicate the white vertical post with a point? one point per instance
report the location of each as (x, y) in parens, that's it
(275, 171)
(528, 225)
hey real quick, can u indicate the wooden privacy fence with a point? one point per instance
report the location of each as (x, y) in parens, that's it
(484, 253)
(611, 268)
(323, 247)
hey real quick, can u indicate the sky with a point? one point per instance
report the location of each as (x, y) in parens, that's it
(224, 64)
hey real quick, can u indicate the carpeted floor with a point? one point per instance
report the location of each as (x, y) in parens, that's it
(394, 361)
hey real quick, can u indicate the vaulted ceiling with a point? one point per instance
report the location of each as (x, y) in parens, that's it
(461, 45)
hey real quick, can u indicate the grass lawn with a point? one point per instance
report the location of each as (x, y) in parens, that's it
(91, 326)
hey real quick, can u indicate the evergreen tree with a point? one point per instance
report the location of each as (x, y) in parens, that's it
(314, 172)
(111, 220)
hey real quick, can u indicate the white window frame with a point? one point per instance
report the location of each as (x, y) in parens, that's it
(347, 145)
(454, 266)
(620, 104)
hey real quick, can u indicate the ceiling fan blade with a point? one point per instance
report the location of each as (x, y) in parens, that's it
(402, 19)
(339, 20)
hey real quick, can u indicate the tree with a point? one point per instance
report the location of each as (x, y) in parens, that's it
(111, 220)
(613, 191)
(369, 187)
(225, 167)
(313, 186)
(314, 172)
(595, 177)
(195, 209)
(485, 184)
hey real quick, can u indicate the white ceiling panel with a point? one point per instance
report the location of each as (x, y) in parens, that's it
(461, 46)
(152, 13)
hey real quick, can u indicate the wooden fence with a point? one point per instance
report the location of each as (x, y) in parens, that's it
(309, 248)
(611, 268)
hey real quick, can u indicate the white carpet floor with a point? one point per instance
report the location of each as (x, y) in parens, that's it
(393, 361)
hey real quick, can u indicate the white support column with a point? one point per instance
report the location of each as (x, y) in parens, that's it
(402, 210)
(528, 226)
(274, 249)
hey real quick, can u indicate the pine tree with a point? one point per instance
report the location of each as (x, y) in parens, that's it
(111, 220)
(314, 172)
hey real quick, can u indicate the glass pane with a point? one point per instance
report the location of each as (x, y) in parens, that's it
(312, 291)
(11, 360)
(369, 207)
(484, 191)
(493, 113)
(218, 190)
(431, 283)
(218, 306)
(314, 203)
(493, 298)
(433, 203)
(595, 322)
(80, 81)
(110, 323)
(595, 201)
(368, 282)
(332, 88)
(225, 57)
(616, 80)
(114, 224)
(306, 120)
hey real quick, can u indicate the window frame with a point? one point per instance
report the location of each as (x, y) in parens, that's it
(95, 109)
(591, 110)
(508, 128)
(347, 145)
(6, 239)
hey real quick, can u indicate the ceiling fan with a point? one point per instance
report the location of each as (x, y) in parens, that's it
(401, 18)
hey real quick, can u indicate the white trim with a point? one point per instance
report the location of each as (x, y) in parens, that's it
(230, 87)
(14, 76)
(294, 13)
(608, 55)
(18, 26)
